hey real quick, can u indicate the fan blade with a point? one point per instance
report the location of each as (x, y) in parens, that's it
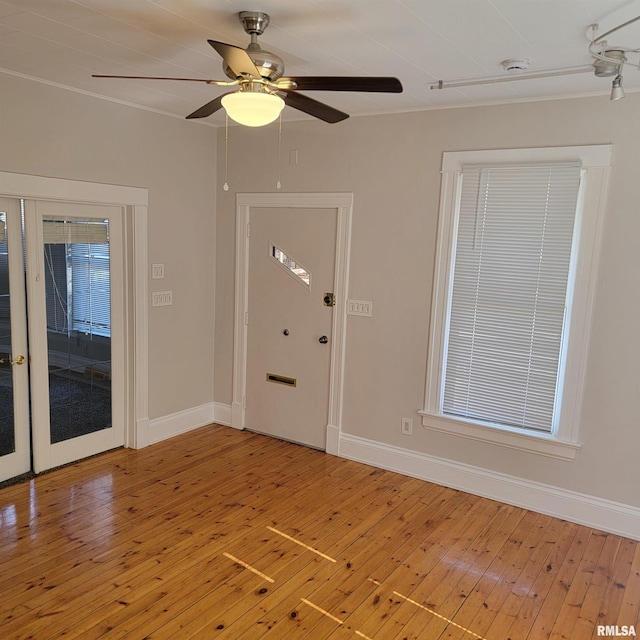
(237, 59)
(207, 109)
(216, 82)
(313, 107)
(346, 83)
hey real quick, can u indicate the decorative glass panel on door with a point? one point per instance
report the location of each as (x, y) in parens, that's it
(78, 310)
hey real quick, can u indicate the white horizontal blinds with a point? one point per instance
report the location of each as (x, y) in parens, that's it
(91, 288)
(86, 269)
(511, 271)
(68, 232)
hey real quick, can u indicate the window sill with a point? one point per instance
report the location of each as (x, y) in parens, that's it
(512, 438)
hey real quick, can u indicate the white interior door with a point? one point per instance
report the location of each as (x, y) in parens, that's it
(15, 445)
(291, 269)
(75, 287)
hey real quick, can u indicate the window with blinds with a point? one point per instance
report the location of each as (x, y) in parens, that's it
(78, 276)
(91, 289)
(504, 335)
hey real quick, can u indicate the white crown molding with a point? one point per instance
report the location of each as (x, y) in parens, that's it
(99, 96)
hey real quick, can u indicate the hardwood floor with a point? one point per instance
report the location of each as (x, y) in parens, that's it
(221, 534)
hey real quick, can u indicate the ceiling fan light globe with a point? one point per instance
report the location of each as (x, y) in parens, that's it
(252, 109)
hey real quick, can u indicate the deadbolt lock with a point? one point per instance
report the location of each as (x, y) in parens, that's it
(329, 300)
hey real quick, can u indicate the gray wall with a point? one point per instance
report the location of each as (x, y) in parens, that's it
(392, 165)
(49, 131)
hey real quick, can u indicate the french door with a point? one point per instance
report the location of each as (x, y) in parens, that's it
(61, 399)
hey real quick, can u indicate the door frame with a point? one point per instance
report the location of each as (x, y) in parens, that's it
(134, 200)
(343, 204)
(18, 462)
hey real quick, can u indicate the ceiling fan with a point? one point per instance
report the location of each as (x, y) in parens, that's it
(608, 61)
(263, 90)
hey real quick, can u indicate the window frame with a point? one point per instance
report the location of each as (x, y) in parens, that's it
(564, 440)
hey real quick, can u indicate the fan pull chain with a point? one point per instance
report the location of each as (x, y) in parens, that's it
(278, 183)
(225, 186)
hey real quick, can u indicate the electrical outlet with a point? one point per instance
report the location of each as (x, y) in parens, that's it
(407, 426)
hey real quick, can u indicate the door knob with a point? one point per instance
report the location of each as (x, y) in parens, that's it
(19, 360)
(323, 340)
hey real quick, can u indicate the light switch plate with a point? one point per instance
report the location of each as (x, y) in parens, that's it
(161, 298)
(157, 271)
(360, 308)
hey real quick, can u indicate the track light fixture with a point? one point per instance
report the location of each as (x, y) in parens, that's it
(607, 63)
(617, 92)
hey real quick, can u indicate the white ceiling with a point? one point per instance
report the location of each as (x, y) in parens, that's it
(419, 41)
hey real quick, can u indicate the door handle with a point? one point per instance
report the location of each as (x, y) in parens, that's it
(19, 360)
(323, 339)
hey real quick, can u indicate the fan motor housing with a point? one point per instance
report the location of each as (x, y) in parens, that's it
(254, 21)
(269, 64)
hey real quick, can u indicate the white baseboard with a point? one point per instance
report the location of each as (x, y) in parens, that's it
(222, 413)
(139, 438)
(333, 439)
(180, 422)
(591, 511)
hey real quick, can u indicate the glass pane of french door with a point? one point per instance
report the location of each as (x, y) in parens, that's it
(78, 309)
(15, 458)
(75, 285)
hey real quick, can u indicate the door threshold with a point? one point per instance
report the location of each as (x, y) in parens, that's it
(23, 477)
(30, 475)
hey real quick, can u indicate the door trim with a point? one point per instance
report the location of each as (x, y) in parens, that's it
(18, 462)
(343, 204)
(135, 201)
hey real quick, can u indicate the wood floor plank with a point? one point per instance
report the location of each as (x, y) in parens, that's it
(630, 607)
(541, 585)
(146, 553)
(547, 610)
(444, 589)
(578, 587)
(351, 585)
(602, 577)
(229, 535)
(513, 583)
(347, 559)
(477, 584)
